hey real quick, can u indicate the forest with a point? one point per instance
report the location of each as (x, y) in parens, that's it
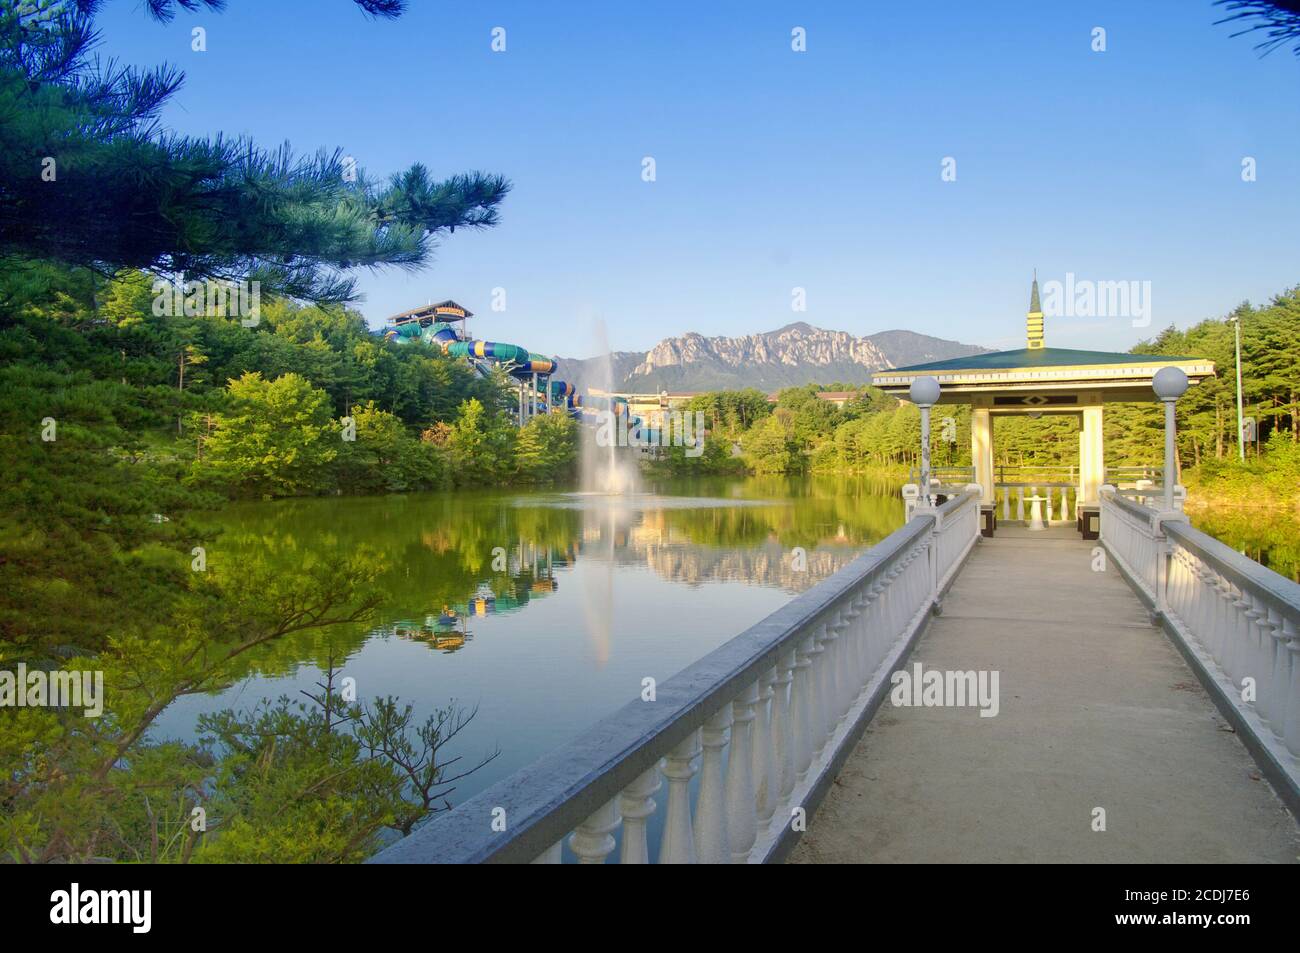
(875, 432)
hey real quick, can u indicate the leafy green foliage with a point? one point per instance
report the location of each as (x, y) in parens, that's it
(87, 179)
(546, 449)
(277, 439)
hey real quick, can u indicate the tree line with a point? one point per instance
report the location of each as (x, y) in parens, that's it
(800, 432)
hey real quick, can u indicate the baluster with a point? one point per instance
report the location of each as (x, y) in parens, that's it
(677, 845)
(1174, 582)
(1065, 504)
(767, 777)
(846, 671)
(1256, 631)
(1201, 606)
(1188, 585)
(876, 627)
(551, 855)
(784, 749)
(742, 822)
(1291, 733)
(711, 800)
(1267, 703)
(831, 673)
(1048, 493)
(1281, 675)
(1006, 504)
(1241, 632)
(893, 602)
(1205, 600)
(817, 691)
(1223, 623)
(638, 804)
(858, 641)
(801, 704)
(1020, 504)
(593, 840)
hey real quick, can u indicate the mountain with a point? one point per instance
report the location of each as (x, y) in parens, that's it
(787, 357)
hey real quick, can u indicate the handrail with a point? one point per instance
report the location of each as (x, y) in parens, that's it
(1006, 483)
(834, 645)
(1237, 623)
(1282, 594)
(1132, 507)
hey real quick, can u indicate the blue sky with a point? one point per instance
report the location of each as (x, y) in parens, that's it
(778, 169)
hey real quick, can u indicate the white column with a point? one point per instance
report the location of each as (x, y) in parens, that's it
(711, 801)
(981, 450)
(593, 840)
(742, 820)
(783, 746)
(801, 704)
(1291, 730)
(767, 779)
(637, 805)
(1092, 469)
(677, 845)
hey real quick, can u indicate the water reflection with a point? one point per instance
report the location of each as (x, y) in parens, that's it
(1270, 537)
(545, 610)
(451, 561)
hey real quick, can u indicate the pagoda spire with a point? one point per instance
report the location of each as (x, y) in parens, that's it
(1034, 319)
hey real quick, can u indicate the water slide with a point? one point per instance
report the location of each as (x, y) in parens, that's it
(521, 364)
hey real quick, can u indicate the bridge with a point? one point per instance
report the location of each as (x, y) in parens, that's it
(1120, 688)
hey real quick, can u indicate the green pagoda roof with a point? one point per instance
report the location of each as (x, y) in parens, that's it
(1038, 357)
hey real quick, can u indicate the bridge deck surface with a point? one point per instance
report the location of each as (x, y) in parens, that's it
(1097, 709)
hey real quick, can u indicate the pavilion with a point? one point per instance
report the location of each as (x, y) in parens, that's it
(1037, 380)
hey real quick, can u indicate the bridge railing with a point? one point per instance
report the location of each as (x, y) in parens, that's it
(1239, 621)
(727, 757)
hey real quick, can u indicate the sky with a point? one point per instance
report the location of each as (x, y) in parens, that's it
(778, 169)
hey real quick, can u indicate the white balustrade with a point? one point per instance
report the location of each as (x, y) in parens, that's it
(758, 747)
(1239, 618)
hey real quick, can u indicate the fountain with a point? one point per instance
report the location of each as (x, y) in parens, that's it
(607, 468)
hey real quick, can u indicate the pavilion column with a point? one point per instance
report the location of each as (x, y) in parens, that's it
(981, 450)
(1091, 455)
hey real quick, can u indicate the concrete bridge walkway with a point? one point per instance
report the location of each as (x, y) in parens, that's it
(1097, 710)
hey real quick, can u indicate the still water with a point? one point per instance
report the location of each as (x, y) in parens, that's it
(544, 609)
(547, 609)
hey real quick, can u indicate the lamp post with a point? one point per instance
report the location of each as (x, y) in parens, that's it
(924, 392)
(1169, 383)
(1241, 442)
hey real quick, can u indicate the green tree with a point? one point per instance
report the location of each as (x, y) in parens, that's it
(129, 196)
(276, 439)
(385, 458)
(546, 450)
(480, 445)
(769, 448)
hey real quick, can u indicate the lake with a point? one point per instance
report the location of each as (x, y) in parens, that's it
(547, 609)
